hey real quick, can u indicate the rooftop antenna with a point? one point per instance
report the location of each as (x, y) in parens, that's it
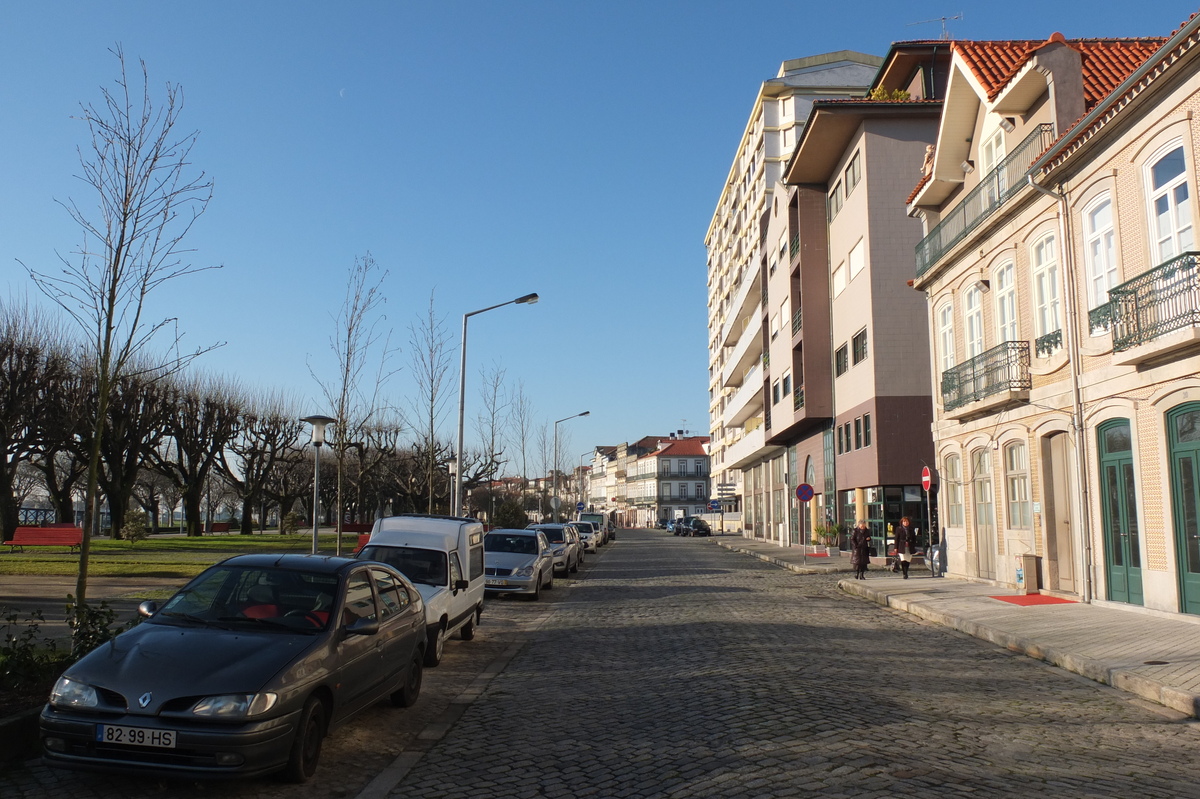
(945, 32)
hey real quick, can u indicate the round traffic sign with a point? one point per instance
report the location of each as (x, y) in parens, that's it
(804, 492)
(579, 506)
(926, 478)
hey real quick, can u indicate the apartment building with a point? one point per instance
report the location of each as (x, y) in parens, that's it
(655, 477)
(1060, 274)
(847, 384)
(739, 254)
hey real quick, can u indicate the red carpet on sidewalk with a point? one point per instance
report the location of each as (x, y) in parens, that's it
(1034, 599)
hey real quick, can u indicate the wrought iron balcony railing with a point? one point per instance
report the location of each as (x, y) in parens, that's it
(798, 398)
(1047, 344)
(1100, 318)
(1002, 368)
(1156, 302)
(996, 187)
(795, 246)
(797, 322)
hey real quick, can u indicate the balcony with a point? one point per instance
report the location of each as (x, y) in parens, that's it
(748, 448)
(994, 189)
(1157, 312)
(797, 322)
(989, 380)
(798, 398)
(1047, 345)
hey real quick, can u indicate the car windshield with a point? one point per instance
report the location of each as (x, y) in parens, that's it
(553, 535)
(426, 566)
(261, 596)
(510, 542)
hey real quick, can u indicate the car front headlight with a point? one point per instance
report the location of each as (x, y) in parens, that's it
(559, 550)
(73, 694)
(524, 571)
(230, 706)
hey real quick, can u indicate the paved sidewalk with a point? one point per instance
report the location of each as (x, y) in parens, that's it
(1154, 656)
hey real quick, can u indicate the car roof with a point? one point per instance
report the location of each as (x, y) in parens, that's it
(325, 564)
(513, 531)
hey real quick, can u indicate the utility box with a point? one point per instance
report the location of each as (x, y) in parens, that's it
(1030, 566)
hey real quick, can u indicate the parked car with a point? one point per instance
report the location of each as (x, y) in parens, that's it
(518, 562)
(697, 526)
(589, 538)
(242, 672)
(443, 557)
(662, 524)
(564, 543)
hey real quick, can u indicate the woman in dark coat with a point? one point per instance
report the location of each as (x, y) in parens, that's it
(860, 550)
(906, 543)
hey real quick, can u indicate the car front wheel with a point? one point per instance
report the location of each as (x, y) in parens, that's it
(437, 646)
(306, 746)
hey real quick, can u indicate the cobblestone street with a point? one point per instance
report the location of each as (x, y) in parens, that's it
(681, 670)
(674, 668)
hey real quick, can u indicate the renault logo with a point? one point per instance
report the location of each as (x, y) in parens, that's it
(144, 699)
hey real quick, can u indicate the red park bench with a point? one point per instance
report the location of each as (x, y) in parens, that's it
(220, 527)
(46, 537)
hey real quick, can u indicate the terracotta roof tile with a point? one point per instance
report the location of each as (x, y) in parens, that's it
(1106, 62)
(917, 190)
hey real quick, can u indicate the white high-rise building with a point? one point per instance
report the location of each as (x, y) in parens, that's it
(739, 254)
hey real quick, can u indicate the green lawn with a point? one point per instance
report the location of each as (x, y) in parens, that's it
(160, 556)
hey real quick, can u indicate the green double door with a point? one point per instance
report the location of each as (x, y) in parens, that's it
(1183, 432)
(1122, 547)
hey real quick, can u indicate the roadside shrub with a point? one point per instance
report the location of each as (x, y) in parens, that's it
(289, 524)
(92, 625)
(135, 528)
(28, 662)
(511, 515)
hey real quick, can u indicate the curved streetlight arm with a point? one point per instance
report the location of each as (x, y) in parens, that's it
(554, 466)
(456, 499)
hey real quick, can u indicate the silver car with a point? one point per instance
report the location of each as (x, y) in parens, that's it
(565, 544)
(517, 562)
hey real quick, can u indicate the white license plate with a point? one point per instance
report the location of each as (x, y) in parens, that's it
(496, 582)
(135, 736)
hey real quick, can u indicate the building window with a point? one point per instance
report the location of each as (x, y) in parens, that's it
(858, 433)
(846, 427)
(1016, 477)
(683, 491)
(840, 445)
(952, 490)
(1100, 250)
(682, 466)
(974, 316)
(835, 200)
(699, 490)
(787, 384)
(1045, 286)
(841, 361)
(775, 393)
(945, 317)
(991, 153)
(866, 429)
(853, 172)
(858, 258)
(1170, 205)
(774, 326)
(1006, 303)
(859, 343)
(839, 279)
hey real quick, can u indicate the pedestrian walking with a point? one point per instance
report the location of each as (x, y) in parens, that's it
(860, 550)
(906, 542)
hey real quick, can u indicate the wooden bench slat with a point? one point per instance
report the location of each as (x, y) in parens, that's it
(46, 537)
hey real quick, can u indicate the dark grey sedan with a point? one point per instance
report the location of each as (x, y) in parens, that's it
(242, 672)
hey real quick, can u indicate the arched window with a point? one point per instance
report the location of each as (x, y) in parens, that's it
(1045, 285)
(945, 323)
(974, 318)
(1100, 250)
(952, 490)
(1016, 479)
(1006, 303)
(1170, 204)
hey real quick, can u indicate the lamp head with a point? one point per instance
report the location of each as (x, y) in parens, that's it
(528, 299)
(319, 424)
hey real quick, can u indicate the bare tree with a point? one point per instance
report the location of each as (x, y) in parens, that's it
(269, 432)
(521, 431)
(430, 356)
(147, 199)
(489, 427)
(359, 335)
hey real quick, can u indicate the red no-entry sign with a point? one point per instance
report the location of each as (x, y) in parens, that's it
(926, 478)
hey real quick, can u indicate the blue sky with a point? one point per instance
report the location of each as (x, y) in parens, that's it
(478, 150)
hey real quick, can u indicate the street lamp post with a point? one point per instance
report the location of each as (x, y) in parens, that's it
(318, 423)
(528, 299)
(554, 466)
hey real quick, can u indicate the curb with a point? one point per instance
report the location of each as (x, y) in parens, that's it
(1127, 680)
(799, 568)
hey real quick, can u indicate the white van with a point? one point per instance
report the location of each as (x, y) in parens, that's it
(443, 557)
(604, 524)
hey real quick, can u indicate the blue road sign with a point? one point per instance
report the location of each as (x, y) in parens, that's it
(804, 492)
(579, 506)
(714, 505)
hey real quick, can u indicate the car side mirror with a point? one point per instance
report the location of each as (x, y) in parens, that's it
(148, 608)
(462, 585)
(363, 626)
